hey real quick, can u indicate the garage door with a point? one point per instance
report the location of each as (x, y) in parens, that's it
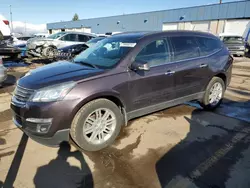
(200, 26)
(169, 26)
(239, 27)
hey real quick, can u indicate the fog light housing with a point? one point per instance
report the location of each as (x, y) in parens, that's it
(39, 125)
(42, 128)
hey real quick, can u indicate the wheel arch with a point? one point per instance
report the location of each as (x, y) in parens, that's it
(223, 77)
(112, 96)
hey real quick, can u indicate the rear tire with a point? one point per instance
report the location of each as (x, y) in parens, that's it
(91, 129)
(214, 94)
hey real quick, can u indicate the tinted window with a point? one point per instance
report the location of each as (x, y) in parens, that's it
(208, 45)
(70, 37)
(185, 47)
(83, 38)
(155, 53)
(233, 39)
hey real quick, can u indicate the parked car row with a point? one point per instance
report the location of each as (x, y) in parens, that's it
(122, 77)
(71, 51)
(48, 47)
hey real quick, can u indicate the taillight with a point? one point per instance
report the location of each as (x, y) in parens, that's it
(6, 22)
(1, 61)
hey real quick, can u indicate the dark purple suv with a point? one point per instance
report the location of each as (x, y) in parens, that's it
(122, 77)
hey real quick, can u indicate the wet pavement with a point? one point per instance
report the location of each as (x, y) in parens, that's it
(182, 146)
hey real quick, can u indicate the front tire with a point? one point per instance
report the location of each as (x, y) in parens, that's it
(49, 52)
(214, 94)
(96, 125)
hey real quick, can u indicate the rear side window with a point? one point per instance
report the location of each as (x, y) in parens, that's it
(70, 37)
(155, 53)
(185, 47)
(83, 38)
(208, 45)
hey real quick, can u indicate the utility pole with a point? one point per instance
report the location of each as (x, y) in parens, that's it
(25, 28)
(11, 24)
(220, 1)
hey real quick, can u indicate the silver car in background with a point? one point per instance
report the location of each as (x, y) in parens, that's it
(3, 72)
(47, 47)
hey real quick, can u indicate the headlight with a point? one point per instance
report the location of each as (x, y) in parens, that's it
(242, 48)
(54, 93)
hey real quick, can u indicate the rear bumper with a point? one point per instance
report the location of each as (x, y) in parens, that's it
(242, 52)
(54, 141)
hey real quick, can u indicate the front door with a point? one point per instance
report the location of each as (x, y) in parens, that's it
(67, 40)
(152, 87)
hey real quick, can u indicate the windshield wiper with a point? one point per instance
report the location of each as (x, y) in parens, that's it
(87, 64)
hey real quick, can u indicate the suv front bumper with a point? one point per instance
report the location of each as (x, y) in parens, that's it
(55, 140)
(46, 123)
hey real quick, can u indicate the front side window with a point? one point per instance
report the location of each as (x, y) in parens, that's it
(107, 53)
(185, 47)
(155, 53)
(208, 45)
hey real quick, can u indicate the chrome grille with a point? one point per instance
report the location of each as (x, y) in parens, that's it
(22, 94)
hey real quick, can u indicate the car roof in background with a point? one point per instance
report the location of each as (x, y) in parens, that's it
(142, 34)
(229, 35)
(77, 32)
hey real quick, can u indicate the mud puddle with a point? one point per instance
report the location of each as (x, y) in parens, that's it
(174, 112)
(5, 115)
(3, 142)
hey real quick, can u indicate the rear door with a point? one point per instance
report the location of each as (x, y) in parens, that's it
(191, 70)
(152, 87)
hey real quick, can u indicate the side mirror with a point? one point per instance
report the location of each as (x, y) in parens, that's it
(138, 65)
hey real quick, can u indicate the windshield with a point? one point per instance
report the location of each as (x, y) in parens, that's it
(94, 41)
(56, 35)
(233, 39)
(107, 52)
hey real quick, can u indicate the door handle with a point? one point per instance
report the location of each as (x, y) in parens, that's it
(203, 65)
(169, 73)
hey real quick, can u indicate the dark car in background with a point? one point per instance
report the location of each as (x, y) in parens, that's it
(123, 77)
(7, 49)
(235, 44)
(71, 51)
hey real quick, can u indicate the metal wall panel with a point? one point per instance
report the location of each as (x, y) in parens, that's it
(155, 20)
(247, 9)
(240, 9)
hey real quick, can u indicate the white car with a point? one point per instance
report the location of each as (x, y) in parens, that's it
(5, 27)
(47, 47)
(3, 72)
(41, 35)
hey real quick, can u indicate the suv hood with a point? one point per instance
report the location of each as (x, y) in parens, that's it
(39, 39)
(55, 73)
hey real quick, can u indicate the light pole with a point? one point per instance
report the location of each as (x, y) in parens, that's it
(11, 24)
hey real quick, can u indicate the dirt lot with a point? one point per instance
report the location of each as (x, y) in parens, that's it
(180, 147)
